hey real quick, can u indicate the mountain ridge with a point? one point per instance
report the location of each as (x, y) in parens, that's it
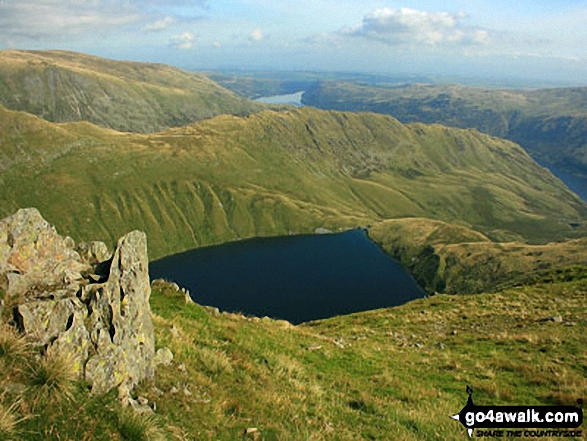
(63, 86)
(549, 123)
(276, 173)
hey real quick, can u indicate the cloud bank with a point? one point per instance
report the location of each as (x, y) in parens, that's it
(43, 20)
(413, 27)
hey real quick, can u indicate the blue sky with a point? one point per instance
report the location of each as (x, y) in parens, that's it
(538, 39)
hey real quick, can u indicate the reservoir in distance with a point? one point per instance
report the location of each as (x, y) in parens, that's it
(294, 278)
(294, 99)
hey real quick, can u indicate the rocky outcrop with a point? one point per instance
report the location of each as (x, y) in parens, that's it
(83, 302)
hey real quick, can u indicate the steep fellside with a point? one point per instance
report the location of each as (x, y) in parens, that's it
(276, 173)
(389, 374)
(551, 124)
(134, 97)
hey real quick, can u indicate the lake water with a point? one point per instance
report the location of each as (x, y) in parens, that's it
(292, 98)
(295, 278)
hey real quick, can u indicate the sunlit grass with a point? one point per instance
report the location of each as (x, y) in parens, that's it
(10, 419)
(51, 379)
(14, 347)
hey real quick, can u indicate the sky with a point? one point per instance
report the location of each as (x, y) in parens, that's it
(542, 40)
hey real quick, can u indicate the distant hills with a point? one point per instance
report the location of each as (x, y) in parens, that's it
(276, 173)
(551, 124)
(269, 172)
(62, 86)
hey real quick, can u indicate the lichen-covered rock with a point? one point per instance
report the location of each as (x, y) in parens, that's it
(163, 356)
(34, 258)
(46, 320)
(93, 252)
(121, 318)
(92, 309)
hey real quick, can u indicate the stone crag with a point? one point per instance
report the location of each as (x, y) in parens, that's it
(81, 302)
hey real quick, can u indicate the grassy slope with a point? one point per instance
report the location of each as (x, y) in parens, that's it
(275, 173)
(64, 86)
(386, 374)
(455, 259)
(549, 123)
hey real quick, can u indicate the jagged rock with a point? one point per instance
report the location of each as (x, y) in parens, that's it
(121, 329)
(93, 252)
(211, 310)
(92, 309)
(35, 259)
(45, 320)
(163, 356)
(140, 405)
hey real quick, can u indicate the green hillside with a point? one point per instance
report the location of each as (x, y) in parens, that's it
(389, 374)
(64, 86)
(551, 124)
(276, 173)
(454, 259)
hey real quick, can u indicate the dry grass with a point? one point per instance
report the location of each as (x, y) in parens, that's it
(14, 347)
(135, 426)
(10, 419)
(214, 361)
(51, 380)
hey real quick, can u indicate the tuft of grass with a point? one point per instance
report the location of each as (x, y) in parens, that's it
(14, 347)
(135, 426)
(10, 419)
(214, 361)
(51, 379)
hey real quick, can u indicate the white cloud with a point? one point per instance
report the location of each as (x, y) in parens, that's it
(413, 27)
(23, 21)
(481, 36)
(159, 25)
(40, 19)
(256, 35)
(185, 40)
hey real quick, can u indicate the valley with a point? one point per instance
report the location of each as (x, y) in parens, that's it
(496, 242)
(549, 123)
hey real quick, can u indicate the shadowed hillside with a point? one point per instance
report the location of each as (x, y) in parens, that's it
(276, 173)
(64, 86)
